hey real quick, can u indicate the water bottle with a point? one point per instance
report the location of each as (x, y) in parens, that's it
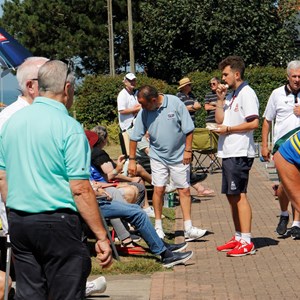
(171, 199)
(166, 200)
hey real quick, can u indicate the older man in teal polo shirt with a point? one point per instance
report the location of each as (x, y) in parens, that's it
(170, 128)
(46, 157)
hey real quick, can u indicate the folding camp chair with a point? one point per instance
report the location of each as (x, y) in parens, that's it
(205, 147)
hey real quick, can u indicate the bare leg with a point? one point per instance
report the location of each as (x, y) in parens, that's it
(283, 199)
(241, 212)
(157, 201)
(185, 202)
(290, 177)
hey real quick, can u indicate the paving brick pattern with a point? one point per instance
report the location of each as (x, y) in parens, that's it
(272, 273)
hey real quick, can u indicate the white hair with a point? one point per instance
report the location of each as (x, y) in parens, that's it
(28, 70)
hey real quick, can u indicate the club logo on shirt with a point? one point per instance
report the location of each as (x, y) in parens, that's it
(236, 108)
(171, 115)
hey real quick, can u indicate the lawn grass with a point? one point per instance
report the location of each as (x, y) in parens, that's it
(138, 264)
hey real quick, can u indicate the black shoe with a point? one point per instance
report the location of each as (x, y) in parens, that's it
(176, 247)
(295, 233)
(282, 225)
(194, 178)
(176, 259)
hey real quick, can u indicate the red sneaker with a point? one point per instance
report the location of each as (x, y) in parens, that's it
(229, 245)
(242, 248)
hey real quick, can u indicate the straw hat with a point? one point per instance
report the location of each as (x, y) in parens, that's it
(183, 82)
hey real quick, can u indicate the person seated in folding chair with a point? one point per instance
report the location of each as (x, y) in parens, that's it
(133, 214)
(117, 171)
(192, 104)
(109, 191)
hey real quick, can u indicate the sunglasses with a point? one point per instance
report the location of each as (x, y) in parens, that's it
(70, 68)
(211, 84)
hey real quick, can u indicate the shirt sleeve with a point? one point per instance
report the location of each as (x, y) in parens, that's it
(270, 110)
(250, 104)
(187, 124)
(122, 101)
(100, 157)
(140, 128)
(77, 156)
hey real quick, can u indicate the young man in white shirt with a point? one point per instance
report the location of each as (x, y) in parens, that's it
(237, 116)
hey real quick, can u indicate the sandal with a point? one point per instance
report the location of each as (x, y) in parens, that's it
(206, 193)
(126, 249)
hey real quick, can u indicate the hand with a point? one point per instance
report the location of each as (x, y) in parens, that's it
(197, 105)
(221, 91)
(131, 168)
(187, 157)
(120, 163)
(265, 153)
(104, 253)
(136, 108)
(102, 192)
(296, 110)
(221, 129)
(135, 179)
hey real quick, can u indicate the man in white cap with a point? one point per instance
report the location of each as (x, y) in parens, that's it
(128, 106)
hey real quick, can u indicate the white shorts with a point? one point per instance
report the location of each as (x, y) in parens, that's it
(161, 173)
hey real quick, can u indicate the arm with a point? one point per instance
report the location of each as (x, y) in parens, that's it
(109, 170)
(87, 206)
(265, 151)
(209, 106)
(132, 156)
(3, 185)
(187, 155)
(221, 93)
(243, 127)
(132, 110)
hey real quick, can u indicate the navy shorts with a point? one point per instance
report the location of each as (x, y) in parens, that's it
(235, 175)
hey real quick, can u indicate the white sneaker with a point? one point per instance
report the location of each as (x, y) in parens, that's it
(160, 233)
(150, 212)
(96, 286)
(194, 233)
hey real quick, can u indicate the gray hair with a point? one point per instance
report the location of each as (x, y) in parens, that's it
(102, 133)
(293, 65)
(53, 76)
(28, 70)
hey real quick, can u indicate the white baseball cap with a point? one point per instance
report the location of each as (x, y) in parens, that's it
(129, 76)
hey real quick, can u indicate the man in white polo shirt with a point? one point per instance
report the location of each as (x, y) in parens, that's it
(128, 106)
(238, 114)
(283, 105)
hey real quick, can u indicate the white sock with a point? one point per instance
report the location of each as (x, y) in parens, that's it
(158, 223)
(296, 223)
(285, 213)
(246, 237)
(238, 235)
(187, 224)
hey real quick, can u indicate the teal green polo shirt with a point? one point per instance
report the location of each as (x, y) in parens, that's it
(41, 149)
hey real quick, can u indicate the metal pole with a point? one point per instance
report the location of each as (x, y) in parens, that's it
(131, 51)
(111, 39)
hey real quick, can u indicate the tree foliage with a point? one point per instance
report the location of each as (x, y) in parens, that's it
(68, 29)
(171, 37)
(180, 36)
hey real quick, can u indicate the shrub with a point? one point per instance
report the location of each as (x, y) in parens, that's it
(96, 100)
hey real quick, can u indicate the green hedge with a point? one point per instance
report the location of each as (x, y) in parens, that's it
(96, 97)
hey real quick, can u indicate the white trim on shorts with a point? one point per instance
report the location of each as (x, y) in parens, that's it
(162, 174)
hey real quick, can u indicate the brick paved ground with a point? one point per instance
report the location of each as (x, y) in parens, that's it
(273, 273)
